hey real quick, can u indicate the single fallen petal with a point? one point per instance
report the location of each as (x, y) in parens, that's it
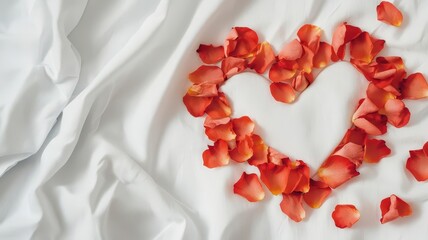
(388, 13)
(393, 208)
(305, 62)
(207, 74)
(310, 36)
(375, 150)
(203, 90)
(282, 92)
(243, 127)
(249, 187)
(337, 170)
(354, 135)
(260, 151)
(232, 65)
(210, 122)
(378, 96)
(414, 86)
(196, 105)
(280, 74)
(372, 123)
(240, 42)
(345, 216)
(343, 34)
(397, 113)
(210, 54)
(219, 107)
(417, 164)
(291, 51)
(217, 155)
(243, 150)
(317, 194)
(323, 56)
(361, 48)
(291, 205)
(353, 152)
(262, 58)
(274, 177)
(223, 131)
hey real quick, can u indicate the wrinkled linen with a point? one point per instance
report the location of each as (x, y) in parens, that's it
(95, 142)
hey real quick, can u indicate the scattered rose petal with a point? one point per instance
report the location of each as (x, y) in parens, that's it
(217, 155)
(323, 56)
(291, 51)
(345, 216)
(207, 74)
(210, 54)
(283, 92)
(378, 96)
(305, 62)
(240, 42)
(249, 187)
(372, 123)
(302, 81)
(276, 157)
(375, 150)
(232, 65)
(222, 131)
(352, 151)
(310, 36)
(291, 205)
(243, 127)
(343, 34)
(397, 113)
(203, 90)
(243, 150)
(366, 106)
(196, 105)
(317, 194)
(262, 58)
(417, 164)
(388, 13)
(274, 177)
(219, 107)
(260, 151)
(414, 86)
(393, 208)
(298, 179)
(277, 73)
(337, 170)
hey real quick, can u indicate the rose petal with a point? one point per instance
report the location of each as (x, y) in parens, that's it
(282, 92)
(317, 194)
(260, 151)
(417, 164)
(243, 126)
(353, 152)
(302, 81)
(343, 34)
(372, 123)
(249, 187)
(274, 177)
(354, 135)
(232, 66)
(243, 150)
(207, 74)
(310, 36)
(291, 51)
(291, 205)
(345, 216)
(223, 131)
(305, 62)
(262, 58)
(219, 107)
(388, 13)
(323, 55)
(337, 170)
(375, 150)
(366, 107)
(393, 208)
(211, 122)
(425, 148)
(361, 48)
(378, 96)
(276, 157)
(397, 113)
(203, 90)
(240, 42)
(280, 74)
(217, 155)
(210, 54)
(414, 87)
(298, 179)
(196, 105)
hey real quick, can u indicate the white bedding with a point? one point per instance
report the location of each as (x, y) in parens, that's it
(95, 142)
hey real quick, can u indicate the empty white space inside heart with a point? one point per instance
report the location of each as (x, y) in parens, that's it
(309, 128)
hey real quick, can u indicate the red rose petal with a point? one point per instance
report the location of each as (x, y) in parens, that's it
(217, 155)
(210, 54)
(375, 150)
(366, 107)
(378, 96)
(283, 92)
(345, 216)
(211, 122)
(397, 113)
(260, 151)
(302, 81)
(249, 187)
(276, 157)
(372, 123)
(240, 42)
(388, 13)
(243, 126)
(298, 179)
(280, 74)
(361, 48)
(317, 194)
(207, 74)
(232, 66)
(323, 57)
(274, 177)
(243, 150)
(414, 87)
(196, 105)
(305, 62)
(219, 107)
(203, 90)
(417, 164)
(425, 148)
(310, 36)
(337, 170)
(291, 205)
(222, 131)
(291, 51)
(262, 58)
(343, 34)
(393, 208)
(353, 152)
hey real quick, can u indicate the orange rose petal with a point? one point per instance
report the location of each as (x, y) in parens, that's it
(298, 179)
(210, 122)
(249, 187)
(219, 107)
(280, 74)
(207, 74)
(243, 150)
(282, 92)
(262, 58)
(343, 34)
(232, 66)
(217, 155)
(310, 36)
(260, 151)
(345, 216)
(388, 13)
(378, 96)
(397, 113)
(361, 48)
(305, 62)
(393, 208)
(414, 87)
(203, 90)
(240, 42)
(274, 177)
(276, 157)
(223, 131)
(417, 164)
(323, 55)
(355, 135)
(291, 205)
(375, 150)
(317, 194)
(337, 170)
(302, 81)
(372, 123)
(378, 45)
(196, 105)
(366, 107)
(243, 126)
(210, 54)
(291, 51)
(353, 152)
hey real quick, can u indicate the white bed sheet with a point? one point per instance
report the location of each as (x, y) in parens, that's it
(95, 142)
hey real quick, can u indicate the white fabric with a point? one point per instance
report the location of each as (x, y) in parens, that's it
(95, 142)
